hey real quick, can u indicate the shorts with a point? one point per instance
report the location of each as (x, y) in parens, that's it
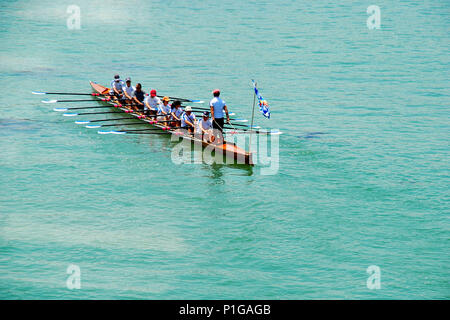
(218, 124)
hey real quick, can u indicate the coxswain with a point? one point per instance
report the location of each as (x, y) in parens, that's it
(188, 120)
(218, 106)
(204, 128)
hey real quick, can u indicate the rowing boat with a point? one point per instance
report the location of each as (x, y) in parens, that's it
(228, 149)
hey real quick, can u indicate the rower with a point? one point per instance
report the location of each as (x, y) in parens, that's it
(188, 119)
(176, 113)
(138, 98)
(164, 109)
(152, 103)
(128, 90)
(117, 87)
(204, 128)
(217, 106)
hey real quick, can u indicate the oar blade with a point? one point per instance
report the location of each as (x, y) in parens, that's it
(82, 122)
(60, 109)
(38, 92)
(49, 101)
(70, 114)
(240, 120)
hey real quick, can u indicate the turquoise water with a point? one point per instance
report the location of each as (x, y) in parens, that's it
(363, 174)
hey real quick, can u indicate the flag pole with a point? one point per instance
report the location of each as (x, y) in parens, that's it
(253, 115)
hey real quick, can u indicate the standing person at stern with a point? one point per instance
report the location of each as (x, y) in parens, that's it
(217, 106)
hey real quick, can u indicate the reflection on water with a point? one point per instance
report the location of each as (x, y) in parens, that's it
(218, 171)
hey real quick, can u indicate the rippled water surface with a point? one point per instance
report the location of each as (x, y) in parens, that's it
(363, 175)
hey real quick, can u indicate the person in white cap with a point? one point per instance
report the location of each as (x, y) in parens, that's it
(188, 119)
(117, 87)
(128, 91)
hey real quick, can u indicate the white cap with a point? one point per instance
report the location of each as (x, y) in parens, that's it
(188, 108)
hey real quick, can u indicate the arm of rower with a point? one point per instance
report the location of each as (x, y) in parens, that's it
(189, 123)
(212, 112)
(226, 111)
(137, 101)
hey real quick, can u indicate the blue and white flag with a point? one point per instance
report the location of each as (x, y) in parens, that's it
(263, 105)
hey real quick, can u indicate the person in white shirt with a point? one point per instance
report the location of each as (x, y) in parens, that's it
(218, 106)
(204, 128)
(176, 113)
(117, 87)
(188, 120)
(128, 91)
(152, 103)
(164, 110)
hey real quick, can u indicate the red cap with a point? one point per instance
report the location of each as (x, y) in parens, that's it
(153, 93)
(216, 91)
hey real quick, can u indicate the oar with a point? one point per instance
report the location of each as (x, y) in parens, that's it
(80, 108)
(136, 131)
(272, 132)
(242, 125)
(115, 125)
(201, 109)
(237, 120)
(82, 100)
(184, 100)
(167, 121)
(147, 129)
(88, 113)
(200, 113)
(128, 132)
(103, 120)
(67, 93)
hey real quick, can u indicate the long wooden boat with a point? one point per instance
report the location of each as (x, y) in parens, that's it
(229, 150)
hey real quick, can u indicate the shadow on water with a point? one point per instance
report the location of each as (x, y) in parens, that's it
(11, 126)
